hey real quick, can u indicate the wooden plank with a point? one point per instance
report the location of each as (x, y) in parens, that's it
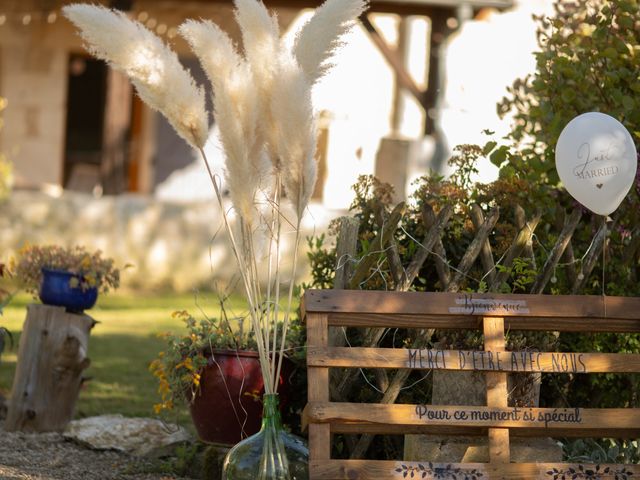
(561, 324)
(426, 247)
(486, 255)
(557, 251)
(346, 250)
(403, 77)
(472, 304)
(318, 389)
(378, 244)
(473, 360)
(393, 470)
(452, 430)
(497, 394)
(474, 249)
(591, 257)
(521, 240)
(521, 222)
(440, 257)
(550, 421)
(401, 7)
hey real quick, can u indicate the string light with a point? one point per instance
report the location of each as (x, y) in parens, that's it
(51, 17)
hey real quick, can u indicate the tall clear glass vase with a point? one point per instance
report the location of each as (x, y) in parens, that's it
(271, 454)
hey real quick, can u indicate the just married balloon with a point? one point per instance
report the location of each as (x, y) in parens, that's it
(596, 160)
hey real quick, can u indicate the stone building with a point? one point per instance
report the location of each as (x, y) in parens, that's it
(73, 123)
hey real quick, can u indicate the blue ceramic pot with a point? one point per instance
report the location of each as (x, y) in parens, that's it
(56, 289)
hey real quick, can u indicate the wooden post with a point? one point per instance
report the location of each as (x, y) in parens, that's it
(51, 358)
(497, 394)
(318, 391)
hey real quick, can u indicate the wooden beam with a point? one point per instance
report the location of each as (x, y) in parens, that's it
(467, 322)
(401, 7)
(472, 304)
(476, 360)
(395, 60)
(393, 470)
(318, 390)
(497, 393)
(609, 422)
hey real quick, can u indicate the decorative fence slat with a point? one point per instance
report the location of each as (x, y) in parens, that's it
(612, 422)
(389, 470)
(493, 313)
(440, 257)
(486, 255)
(474, 360)
(558, 249)
(519, 243)
(474, 249)
(591, 258)
(472, 305)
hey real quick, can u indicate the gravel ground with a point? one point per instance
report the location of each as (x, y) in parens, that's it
(48, 456)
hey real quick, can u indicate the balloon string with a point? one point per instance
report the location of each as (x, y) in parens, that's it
(604, 259)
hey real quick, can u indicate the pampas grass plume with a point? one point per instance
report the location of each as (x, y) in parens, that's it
(295, 132)
(261, 42)
(319, 38)
(154, 69)
(236, 111)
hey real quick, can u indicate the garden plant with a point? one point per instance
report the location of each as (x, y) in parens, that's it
(91, 269)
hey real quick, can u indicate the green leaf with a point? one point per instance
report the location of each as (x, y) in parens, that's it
(610, 53)
(568, 95)
(625, 21)
(488, 148)
(499, 156)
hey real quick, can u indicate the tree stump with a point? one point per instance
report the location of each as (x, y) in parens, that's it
(51, 358)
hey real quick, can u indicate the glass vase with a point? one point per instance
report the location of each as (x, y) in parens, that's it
(271, 454)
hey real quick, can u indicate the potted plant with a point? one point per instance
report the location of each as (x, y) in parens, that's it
(69, 277)
(215, 370)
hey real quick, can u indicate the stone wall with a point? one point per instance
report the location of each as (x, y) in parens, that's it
(170, 245)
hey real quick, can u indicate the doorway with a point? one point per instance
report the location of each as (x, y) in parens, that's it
(86, 93)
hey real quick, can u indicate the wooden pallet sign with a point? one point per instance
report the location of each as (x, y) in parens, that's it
(493, 314)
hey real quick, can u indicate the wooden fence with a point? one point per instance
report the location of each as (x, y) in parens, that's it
(452, 272)
(493, 314)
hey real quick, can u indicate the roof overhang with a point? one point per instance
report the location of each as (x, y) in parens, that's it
(402, 7)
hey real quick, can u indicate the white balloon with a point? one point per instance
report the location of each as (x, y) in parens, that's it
(596, 160)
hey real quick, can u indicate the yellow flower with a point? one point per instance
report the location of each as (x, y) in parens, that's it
(186, 363)
(164, 387)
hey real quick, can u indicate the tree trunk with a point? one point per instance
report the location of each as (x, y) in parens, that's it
(51, 358)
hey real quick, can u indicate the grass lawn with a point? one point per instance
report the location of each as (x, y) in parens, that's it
(121, 347)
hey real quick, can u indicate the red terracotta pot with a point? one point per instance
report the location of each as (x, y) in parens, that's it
(228, 406)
